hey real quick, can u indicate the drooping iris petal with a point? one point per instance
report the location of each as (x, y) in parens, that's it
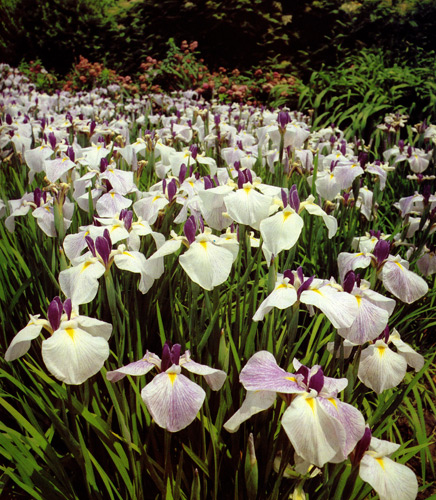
(248, 206)
(172, 399)
(339, 307)
(136, 368)
(73, 355)
(80, 283)
(207, 264)
(318, 436)
(280, 232)
(370, 320)
(21, 342)
(401, 282)
(392, 481)
(262, 373)
(214, 378)
(254, 402)
(352, 421)
(351, 262)
(380, 368)
(283, 296)
(413, 359)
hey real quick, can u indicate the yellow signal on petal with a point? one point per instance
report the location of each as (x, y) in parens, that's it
(381, 463)
(70, 332)
(311, 403)
(172, 377)
(381, 350)
(85, 266)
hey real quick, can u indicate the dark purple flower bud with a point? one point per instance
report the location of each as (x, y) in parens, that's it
(193, 148)
(106, 235)
(123, 213)
(316, 381)
(385, 334)
(103, 248)
(237, 165)
(70, 153)
(248, 175)
(381, 250)
(190, 228)
(191, 170)
(239, 145)
(166, 356)
(171, 189)
(37, 196)
(182, 173)
(164, 185)
(426, 193)
(128, 219)
(283, 119)
(215, 179)
(8, 119)
(343, 148)
(197, 176)
(294, 199)
(401, 145)
(92, 127)
(91, 245)
(409, 151)
(68, 308)
(103, 165)
(44, 197)
(358, 280)
(374, 233)
(284, 198)
(290, 275)
(241, 179)
(300, 275)
(363, 158)
(54, 313)
(361, 447)
(208, 184)
(217, 119)
(43, 123)
(52, 139)
(349, 281)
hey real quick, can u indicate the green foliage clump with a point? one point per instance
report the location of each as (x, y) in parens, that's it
(357, 93)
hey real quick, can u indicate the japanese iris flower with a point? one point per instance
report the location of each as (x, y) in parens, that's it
(291, 287)
(171, 398)
(78, 345)
(381, 368)
(320, 427)
(373, 311)
(208, 260)
(390, 480)
(393, 271)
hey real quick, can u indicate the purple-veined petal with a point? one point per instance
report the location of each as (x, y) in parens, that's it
(404, 284)
(262, 373)
(214, 378)
(172, 399)
(352, 421)
(136, 368)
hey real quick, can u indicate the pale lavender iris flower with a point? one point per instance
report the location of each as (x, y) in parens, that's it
(171, 398)
(320, 427)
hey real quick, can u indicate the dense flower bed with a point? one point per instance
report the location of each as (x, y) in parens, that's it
(269, 253)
